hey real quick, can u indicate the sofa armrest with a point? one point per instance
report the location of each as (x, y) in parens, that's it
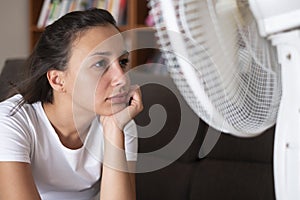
(11, 74)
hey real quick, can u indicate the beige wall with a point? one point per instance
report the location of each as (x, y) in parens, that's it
(14, 29)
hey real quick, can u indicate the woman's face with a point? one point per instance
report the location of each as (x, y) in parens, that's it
(95, 77)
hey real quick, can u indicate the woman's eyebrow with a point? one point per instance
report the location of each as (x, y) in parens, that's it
(108, 53)
(99, 53)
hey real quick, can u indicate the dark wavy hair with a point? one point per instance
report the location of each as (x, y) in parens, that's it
(53, 50)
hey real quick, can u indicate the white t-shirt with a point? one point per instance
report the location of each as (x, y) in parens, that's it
(59, 172)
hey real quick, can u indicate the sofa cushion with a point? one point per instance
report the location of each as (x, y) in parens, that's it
(167, 126)
(227, 180)
(169, 183)
(253, 149)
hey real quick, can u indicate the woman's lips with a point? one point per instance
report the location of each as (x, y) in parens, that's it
(120, 98)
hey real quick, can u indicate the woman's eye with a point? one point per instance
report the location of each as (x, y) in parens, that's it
(124, 62)
(101, 64)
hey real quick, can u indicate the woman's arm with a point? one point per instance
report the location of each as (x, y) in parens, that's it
(16, 182)
(116, 182)
(118, 179)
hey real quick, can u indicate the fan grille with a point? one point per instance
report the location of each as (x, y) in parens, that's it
(233, 65)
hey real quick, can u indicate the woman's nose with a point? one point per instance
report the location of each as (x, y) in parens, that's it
(117, 74)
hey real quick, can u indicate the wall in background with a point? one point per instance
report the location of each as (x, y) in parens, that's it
(14, 31)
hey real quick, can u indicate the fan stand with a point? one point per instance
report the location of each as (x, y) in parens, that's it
(287, 134)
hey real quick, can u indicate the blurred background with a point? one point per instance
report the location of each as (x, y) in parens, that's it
(14, 31)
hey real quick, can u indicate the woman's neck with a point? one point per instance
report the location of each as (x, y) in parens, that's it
(70, 129)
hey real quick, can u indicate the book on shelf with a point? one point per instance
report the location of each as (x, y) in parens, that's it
(122, 18)
(54, 9)
(43, 13)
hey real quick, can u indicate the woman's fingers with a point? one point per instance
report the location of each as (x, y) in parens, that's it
(135, 107)
(136, 103)
(121, 118)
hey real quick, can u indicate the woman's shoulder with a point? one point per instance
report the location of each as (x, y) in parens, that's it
(11, 100)
(15, 135)
(12, 111)
(9, 105)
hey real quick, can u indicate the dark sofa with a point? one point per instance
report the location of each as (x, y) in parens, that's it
(12, 72)
(170, 137)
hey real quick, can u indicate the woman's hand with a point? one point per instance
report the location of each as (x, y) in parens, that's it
(121, 118)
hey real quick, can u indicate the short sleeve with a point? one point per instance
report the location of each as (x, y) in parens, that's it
(14, 135)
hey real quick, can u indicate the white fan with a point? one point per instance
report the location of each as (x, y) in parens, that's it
(237, 64)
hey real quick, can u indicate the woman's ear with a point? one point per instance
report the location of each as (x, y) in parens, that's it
(56, 80)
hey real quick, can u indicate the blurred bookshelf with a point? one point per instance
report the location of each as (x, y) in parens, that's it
(132, 15)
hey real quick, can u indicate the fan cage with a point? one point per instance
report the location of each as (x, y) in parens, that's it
(236, 68)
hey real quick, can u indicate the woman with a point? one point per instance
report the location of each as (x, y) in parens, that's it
(65, 134)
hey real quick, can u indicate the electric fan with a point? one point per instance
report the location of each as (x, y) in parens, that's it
(223, 58)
